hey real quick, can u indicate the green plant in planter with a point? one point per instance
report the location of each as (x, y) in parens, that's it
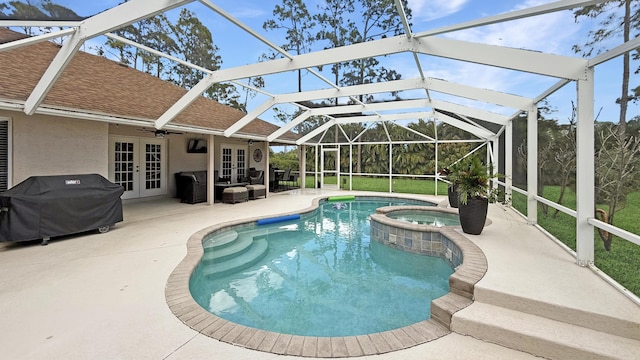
(451, 174)
(471, 178)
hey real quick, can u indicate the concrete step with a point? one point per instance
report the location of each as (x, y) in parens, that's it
(232, 249)
(626, 324)
(540, 336)
(443, 308)
(255, 253)
(220, 240)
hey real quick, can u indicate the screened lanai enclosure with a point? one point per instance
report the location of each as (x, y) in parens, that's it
(452, 93)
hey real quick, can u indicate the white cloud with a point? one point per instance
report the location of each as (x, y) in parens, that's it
(426, 10)
(551, 33)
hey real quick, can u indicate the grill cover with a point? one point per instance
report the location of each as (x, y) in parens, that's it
(46, 206)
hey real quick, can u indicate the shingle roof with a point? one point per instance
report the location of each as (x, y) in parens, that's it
(96, 84)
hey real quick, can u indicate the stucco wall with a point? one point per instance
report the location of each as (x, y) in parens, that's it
(178, 158)
(49, 145)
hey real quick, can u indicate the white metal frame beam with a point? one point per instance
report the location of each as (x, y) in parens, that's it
(262, 39)
(441, 86)
(470, 112)
(289, 126)
(382, 106)
(481, 133)
(630, 45)
(238, 124)
(373, 88)
(469, 92)
(484, 95)
(386, 117)
(490, 55)
(38, 23)
(390, 118)
(179, 61)
(585, 170)
(532, 165)
(35, 39)
(53, 72)
(121, 15)
(315, 132)
(515, 59)
(509, 58)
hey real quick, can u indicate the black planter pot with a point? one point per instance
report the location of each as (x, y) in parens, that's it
(454, 198)
(473, 215)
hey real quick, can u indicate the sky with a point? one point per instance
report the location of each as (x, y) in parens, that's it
(552, 33)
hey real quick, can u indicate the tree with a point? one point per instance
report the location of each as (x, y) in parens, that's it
(341, 24)
(565, 156)
(379, 19)
(195, 44)
(156, 34)
(29, 11)
(293, 16)
(615, 164)
(256, 82)
(152, 32)
(336, 28)
(3, 8)
(613, 25)
(188, 39)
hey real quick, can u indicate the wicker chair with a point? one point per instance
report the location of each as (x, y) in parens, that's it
(257, 177)
(192, 186)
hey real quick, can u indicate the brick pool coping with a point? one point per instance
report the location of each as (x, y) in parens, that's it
(461, 284)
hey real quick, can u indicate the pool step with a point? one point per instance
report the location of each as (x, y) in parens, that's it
(221, 240)
(238, 261)
(539, 335)
(232, 249)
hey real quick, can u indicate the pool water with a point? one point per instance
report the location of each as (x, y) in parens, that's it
(426, 217)
(319, 276)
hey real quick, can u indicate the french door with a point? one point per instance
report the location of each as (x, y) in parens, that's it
(139, 165)
(233, 162)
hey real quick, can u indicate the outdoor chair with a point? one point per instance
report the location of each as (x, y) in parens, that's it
(273, 181)
(284, 180)
(192, 186)
(257, 177)
(293, 178)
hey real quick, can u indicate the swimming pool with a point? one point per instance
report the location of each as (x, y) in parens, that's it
(318, 276)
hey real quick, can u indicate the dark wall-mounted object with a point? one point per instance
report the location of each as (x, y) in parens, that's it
(197, 146)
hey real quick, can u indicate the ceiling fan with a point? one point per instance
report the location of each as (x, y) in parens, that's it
(159, 133)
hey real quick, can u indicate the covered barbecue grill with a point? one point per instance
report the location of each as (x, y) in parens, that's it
(45, 206)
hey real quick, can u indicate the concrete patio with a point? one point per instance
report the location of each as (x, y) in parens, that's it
(101, 296)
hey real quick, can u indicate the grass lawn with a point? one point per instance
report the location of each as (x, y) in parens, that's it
(621, 263)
